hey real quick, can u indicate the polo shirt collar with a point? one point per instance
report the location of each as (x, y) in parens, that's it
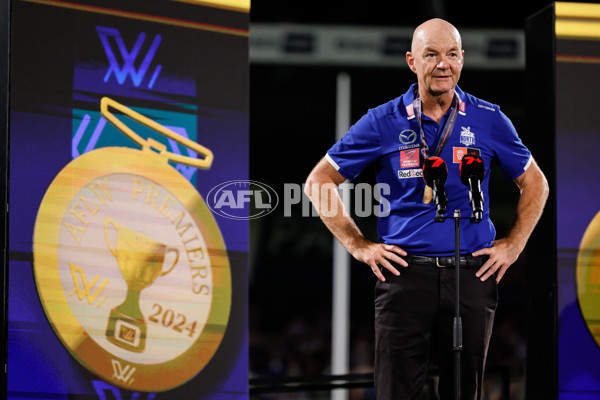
(409, 97)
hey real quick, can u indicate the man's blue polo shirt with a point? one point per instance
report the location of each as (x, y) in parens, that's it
(389, 136)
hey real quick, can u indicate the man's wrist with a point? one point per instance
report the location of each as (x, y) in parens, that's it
(517, 244)
(356, 244)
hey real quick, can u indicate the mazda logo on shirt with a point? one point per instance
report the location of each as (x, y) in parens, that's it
(408, 137)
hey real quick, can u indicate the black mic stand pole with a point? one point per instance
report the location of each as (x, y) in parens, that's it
(457, 324)
(441, 202)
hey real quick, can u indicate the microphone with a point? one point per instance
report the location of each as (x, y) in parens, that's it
(472, 172)
(435, 173)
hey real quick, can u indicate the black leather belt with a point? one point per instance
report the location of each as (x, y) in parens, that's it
(466, 261)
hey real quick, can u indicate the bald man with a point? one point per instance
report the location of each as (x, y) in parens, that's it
(413, 259)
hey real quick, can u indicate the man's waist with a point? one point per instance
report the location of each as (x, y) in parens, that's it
(465, 260)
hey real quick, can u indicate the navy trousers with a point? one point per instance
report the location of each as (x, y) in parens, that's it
(414, 315)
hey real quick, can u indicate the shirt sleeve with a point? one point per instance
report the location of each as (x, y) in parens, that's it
(512, 155)
(358, 148)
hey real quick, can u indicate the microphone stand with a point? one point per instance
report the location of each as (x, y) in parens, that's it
(457, 322)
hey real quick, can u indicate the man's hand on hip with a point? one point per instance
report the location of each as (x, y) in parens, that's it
(375, 254)
(502, 254)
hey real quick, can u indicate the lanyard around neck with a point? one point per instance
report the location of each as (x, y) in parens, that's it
(446, 130)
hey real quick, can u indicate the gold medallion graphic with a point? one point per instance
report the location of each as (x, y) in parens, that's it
(130, 265)
(588, 277)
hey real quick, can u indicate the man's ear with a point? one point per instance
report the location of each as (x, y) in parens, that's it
(410, 60)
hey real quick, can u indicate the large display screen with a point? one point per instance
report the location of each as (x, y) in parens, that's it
(122, 283)
(578, 199)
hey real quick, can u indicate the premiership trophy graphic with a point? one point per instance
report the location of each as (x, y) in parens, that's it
(141, 261)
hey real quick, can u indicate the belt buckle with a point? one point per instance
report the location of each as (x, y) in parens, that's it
(437, 263)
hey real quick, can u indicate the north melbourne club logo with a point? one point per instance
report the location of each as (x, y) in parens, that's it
(466, 136)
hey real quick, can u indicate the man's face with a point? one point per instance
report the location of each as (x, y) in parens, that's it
(437, 59)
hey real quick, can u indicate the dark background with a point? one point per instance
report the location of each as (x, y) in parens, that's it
(292, 124)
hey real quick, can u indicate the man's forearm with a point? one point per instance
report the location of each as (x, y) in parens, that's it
(328, 203)
(534, 193)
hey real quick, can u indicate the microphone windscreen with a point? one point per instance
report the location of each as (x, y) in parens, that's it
(434, 168)
(471, 165)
